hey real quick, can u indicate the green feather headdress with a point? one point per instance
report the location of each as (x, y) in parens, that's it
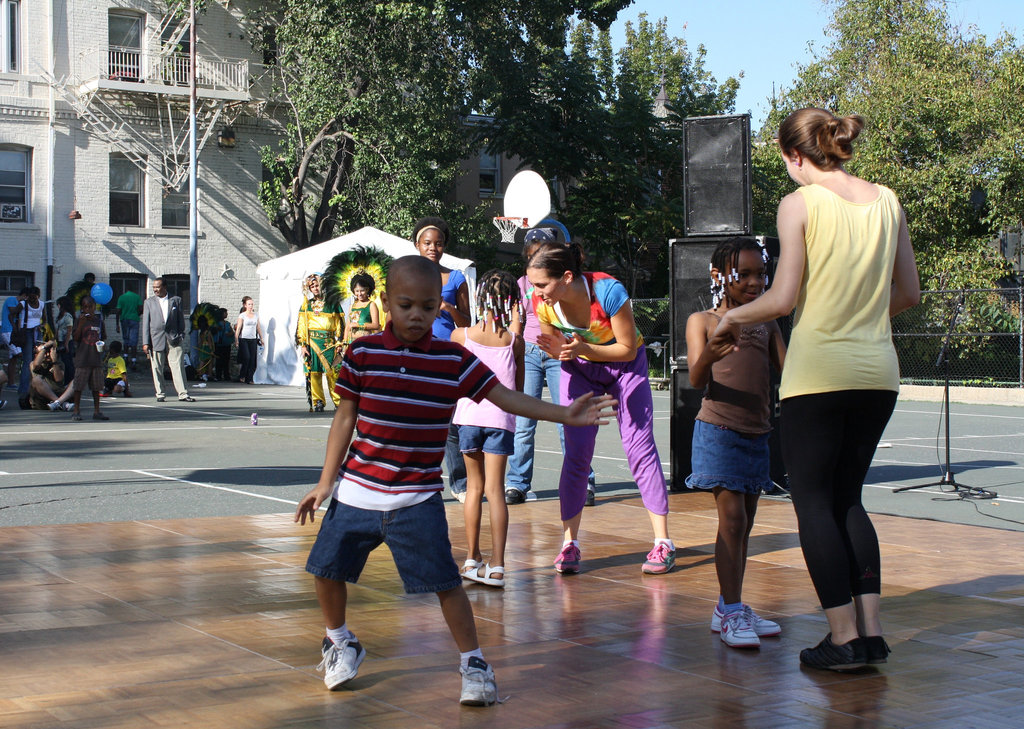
(337, 277)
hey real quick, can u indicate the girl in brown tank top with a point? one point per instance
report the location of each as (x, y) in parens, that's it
(730, 453)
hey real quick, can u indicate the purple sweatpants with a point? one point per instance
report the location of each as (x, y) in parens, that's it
(628, 383)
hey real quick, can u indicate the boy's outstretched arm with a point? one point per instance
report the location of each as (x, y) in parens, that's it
(338, 438)
(586, 410)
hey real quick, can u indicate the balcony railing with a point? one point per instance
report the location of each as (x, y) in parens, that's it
(131, 65)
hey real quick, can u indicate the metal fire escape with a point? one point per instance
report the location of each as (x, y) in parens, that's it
(117, 91)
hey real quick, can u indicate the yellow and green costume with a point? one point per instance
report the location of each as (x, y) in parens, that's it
(320, 328)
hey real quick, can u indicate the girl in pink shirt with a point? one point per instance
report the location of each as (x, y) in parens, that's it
(487, 433)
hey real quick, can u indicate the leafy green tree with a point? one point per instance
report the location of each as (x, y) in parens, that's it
(375, 95)
(629, 202)
(945, 118)
(587, 119)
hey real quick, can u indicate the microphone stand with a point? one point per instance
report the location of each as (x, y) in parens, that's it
(943, 361)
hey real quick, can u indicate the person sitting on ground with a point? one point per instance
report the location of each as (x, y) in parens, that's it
(45, 389)
(117, 373)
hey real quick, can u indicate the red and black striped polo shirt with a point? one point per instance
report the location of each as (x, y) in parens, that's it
(406, 395)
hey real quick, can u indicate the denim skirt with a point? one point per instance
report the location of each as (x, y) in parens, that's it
(723, 457)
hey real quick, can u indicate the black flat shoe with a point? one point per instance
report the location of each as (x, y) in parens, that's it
(876, 649)
(828, 656)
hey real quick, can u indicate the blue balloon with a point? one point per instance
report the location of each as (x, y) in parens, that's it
(101, 293)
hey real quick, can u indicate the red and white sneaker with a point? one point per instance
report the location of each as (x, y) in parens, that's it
(737, 632)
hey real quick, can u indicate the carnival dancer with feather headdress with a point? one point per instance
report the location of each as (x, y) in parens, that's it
(319, 334)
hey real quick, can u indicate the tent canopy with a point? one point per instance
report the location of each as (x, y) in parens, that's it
(281, 295)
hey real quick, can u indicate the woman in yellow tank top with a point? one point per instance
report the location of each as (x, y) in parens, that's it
(847, 266)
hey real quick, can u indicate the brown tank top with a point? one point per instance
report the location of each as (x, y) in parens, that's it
(738, 392)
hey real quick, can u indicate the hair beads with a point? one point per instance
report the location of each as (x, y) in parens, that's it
(498, 294)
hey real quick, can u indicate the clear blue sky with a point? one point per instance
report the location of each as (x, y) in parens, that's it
(766, 39)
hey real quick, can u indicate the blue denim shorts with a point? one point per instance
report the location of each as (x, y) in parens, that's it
(489, 440)
(723, 457)
(416, 535)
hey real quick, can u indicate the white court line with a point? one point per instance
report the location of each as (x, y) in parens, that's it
(962, 414)
(78, 429)
(216, 488)
(78, 471)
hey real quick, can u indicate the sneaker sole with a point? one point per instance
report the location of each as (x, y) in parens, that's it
(567, 570)
(732, 643)
(477, 702)
(837, 667)
(341, 680)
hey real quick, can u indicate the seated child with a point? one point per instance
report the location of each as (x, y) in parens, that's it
(117, 373)
(398, 391)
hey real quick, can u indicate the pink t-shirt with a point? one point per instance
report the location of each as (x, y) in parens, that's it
(531, 329)
(485, 414)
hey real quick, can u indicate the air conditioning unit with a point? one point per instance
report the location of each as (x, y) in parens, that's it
(12, 212)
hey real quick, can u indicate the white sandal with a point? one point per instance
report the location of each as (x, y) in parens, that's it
(469, 569)
(486, 579)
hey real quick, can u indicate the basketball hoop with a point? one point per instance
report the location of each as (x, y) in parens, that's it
(508, 227)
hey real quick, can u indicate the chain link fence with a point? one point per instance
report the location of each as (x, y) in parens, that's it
(984, 328)
(981, 328)
(653, 319)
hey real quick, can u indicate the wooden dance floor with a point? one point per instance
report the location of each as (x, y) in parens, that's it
(213, 622)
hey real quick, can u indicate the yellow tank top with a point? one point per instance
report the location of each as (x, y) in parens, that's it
(841, 337)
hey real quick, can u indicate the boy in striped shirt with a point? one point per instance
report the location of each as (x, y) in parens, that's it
(382, 470)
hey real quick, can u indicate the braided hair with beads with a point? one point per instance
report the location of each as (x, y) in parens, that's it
(725, 259)
(497, 293)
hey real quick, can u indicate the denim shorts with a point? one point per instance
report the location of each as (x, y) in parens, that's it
(723, 457)
(130, 332)
(417, 536)
(489, 440)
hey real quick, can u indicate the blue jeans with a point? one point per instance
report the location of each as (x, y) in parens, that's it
(453, 461)
(27, 355)
(540, 368)
(417, 536)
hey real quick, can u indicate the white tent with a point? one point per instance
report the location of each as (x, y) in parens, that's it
(281, 296)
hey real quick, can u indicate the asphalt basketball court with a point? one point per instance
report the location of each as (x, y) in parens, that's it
(177, 460)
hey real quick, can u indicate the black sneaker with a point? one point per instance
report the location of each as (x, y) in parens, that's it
(876, 648)
(514, 496)
(828, 656)
(590, 497)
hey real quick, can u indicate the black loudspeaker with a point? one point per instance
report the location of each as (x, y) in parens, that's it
(689, 259)
(716, 175)
(685, 406)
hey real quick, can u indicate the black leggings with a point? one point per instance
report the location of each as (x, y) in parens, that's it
(828, 441)
(246, 359)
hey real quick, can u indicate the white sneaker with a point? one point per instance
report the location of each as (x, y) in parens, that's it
(530, 496)
(762, 626)
(737, 632)
(478, 685)
(340, 662)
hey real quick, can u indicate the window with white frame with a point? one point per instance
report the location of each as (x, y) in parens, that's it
(174, 209)
(124, 54)
(10, 36)
(126, 186)
(14, 184)
(490, 173)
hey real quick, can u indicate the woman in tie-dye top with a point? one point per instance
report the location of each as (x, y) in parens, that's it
(587, 322)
